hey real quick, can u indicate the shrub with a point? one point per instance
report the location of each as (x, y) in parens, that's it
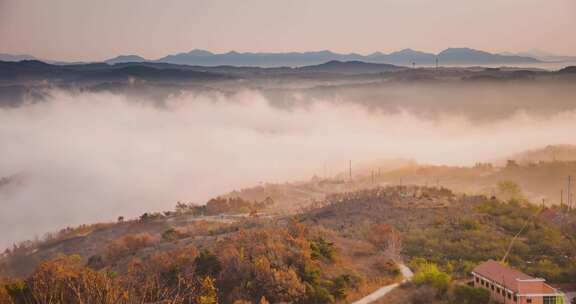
(423, 295)
(469, 224)
(341, 283)
(170, 235)
(4, 296)
(321, 248)
(207, 264)
(96, 262)
(129, 244)
(318, 295)
(429, 274)
(208, 292)
(464, 294)
(386, 238)
(386, 266)
(64, 280)
(509, 190)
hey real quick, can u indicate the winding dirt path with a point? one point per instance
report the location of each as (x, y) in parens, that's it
(384, 290)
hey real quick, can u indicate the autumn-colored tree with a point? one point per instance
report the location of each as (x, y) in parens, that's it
(4, 296)
(386, 238)
(64, 280)
(208, 292)
(129, 245)
(165, 276)
(263, 301)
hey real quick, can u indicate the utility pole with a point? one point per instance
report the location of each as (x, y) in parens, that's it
(561, 198)
(569, 193)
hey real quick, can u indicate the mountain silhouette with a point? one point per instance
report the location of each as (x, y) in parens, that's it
(125, 58)
(404, 57)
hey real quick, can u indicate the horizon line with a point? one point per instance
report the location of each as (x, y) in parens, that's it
(215, 53)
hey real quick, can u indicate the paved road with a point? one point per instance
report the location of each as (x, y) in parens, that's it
(382, 291)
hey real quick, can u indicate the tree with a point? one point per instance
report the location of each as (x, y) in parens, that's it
(509, 190)
(386, 238)
(181, 208)
(429, 274)
(4, 296)
(208, 292)
(207, 264)
(321, 248)
(64, 280)
(464, 294)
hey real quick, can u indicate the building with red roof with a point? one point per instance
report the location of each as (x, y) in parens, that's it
(507, 285)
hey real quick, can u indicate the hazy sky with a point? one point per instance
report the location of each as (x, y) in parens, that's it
(94, 30)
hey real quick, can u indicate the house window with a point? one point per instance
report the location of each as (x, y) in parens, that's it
(492, 286)
(529, 300)
(549, 300)
(477, 279)
(509, 296)
(515, 298)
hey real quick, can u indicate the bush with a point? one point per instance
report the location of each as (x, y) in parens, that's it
(464, 294)
(4, 296)
(129, 244)
(96, 262)
(321, 248)
(423, 295)
(64, 280)
(429, 274)
(386, 266)
(341, 283)
(207, 264)
(469, 224)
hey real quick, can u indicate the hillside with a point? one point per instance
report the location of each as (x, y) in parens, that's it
(458, 231)
(552, 153)
(224, 257)
(334, 252)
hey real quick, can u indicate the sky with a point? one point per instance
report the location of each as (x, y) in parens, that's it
(95, 30)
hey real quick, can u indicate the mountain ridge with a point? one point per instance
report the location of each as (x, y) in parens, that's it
(406, 57)
(295, 59)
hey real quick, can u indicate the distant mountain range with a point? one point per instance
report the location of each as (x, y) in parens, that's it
(406, 57)
(34, 70)
(9, 57)
(543, 56)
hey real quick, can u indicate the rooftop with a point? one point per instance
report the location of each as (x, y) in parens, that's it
(512, 279)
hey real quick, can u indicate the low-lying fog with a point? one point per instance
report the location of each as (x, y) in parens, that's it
(82, 158)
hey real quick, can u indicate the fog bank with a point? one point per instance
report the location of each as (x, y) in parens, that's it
(87, 157)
